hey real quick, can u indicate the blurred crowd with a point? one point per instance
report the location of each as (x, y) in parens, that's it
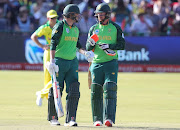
(136, 17)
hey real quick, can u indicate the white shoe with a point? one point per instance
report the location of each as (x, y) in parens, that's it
(39, 99)
(54, 122)
(98, 123)
(71, 123)
(108, 123)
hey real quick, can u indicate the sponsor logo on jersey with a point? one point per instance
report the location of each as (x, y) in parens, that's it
(69, 38)
(105, 38)
(67, 30)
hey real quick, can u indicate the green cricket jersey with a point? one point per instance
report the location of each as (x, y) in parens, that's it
(108, 34)
(65, 40)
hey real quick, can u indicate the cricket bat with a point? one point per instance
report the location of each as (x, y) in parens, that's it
(57, 97)
(89, 77)
(94, 38)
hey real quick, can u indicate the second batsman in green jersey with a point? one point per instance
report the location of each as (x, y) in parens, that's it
(104, 67)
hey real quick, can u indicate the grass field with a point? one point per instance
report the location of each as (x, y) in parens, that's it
(145, 101)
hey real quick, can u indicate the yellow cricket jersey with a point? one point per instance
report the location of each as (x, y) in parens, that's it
(46, 31)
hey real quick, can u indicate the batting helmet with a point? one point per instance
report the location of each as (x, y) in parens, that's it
(103, 7)
(71, 8)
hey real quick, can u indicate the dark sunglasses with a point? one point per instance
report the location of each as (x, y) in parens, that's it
(54, 18)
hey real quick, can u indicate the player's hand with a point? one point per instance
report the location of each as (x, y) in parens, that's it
(52, 67)
(45, 47)
(104, 46)
(89, 55)
(92, 42)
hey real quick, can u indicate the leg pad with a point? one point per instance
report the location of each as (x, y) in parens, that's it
(110, 96)
(51, 106)
(72, 100)
(97, 102)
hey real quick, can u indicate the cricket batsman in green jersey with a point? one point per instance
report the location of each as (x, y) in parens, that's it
(46, 31)
(104, 67)
(64, 43)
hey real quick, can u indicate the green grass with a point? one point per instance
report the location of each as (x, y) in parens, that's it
(145, 101)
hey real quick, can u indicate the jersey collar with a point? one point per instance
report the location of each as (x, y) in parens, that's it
(67, 23)
(105, 24)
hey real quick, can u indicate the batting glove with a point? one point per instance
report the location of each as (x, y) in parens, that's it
(52, 67)
(110, 52)
(104, 46)
(92, 42)
(89, 55)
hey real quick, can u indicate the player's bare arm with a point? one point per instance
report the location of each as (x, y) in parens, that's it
(34, 37)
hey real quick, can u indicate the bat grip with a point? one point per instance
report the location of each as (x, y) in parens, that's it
(54, 77)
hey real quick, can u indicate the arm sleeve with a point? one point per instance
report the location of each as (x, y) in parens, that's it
(88, 45)
(56, 35)
(120, 44)
(40, 31)
(79, 46)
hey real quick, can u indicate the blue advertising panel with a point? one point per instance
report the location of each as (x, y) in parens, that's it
(33, 53)
(139, 50)
(152, 50)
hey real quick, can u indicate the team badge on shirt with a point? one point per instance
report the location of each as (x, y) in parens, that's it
(96, 31)
(109, 30)
(67, 30)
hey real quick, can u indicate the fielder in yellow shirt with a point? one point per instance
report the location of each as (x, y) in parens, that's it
(46, 31)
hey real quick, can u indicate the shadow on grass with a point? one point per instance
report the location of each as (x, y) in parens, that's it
(127, 128)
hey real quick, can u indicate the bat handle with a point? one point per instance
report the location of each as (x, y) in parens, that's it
(54, 77)
(89, 77)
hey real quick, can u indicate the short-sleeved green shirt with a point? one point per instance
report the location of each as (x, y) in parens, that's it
(65, 40)
(108, 34)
